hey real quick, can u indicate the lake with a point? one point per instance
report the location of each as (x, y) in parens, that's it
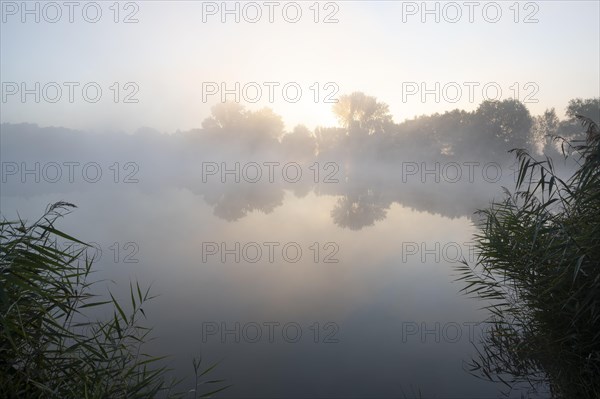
(308, 287)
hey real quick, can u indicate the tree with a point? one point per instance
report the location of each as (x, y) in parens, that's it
(503, 125)
(225, 116)
(263, 124)
(590, 108)
(300, 144)
(329, 140)
(256, 128)
(359, 112)
(545, 128)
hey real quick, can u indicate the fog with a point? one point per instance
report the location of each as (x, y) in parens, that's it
(242, 161)
(348, 234)
(296, 182)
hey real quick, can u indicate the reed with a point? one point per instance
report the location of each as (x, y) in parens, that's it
(538, 269)
(49, 346)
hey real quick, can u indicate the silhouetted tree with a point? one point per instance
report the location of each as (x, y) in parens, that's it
(264, 124)
(358, 112)
(299, 145)
(252, 129)
(544, 130)
(570, 128)
(500, 126)
(225, 116)
(329, 140)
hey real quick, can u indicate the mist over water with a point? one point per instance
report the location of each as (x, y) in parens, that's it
(308, 268)
(296, 181)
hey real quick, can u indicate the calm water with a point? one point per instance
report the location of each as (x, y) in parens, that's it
(342, 289)
(334, 274)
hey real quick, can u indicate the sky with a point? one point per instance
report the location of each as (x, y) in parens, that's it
(172, 61)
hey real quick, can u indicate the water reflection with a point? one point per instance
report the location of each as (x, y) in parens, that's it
(368, 191)
(359, 209)
(237, 175)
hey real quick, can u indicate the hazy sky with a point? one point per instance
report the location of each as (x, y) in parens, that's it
(382, 48)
